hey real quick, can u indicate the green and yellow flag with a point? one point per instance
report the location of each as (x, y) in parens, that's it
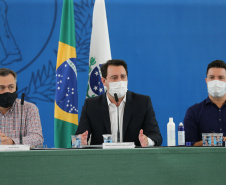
(66, 104)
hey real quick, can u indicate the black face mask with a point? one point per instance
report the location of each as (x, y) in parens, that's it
(7, 99)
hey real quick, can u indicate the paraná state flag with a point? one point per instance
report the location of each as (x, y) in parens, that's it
(100, 50)
(66, 104)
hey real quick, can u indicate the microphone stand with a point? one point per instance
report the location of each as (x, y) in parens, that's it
(22, 104)
(118, 133)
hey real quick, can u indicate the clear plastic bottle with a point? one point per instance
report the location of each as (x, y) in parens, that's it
(171, 139)
(181, 135)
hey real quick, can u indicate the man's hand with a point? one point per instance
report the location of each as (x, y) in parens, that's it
(224, 138)
(199, 143)
(84, 138)
(5, 140)
(143, 139)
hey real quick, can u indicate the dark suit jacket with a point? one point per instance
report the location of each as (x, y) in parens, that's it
(138, 114)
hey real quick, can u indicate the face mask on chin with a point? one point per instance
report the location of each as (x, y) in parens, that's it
(7, 99)
(216, 88)
(120, 88)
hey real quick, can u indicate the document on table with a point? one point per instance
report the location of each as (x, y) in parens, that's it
(14, 148)
(118, 145)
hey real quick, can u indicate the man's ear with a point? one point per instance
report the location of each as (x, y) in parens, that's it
(103, 80)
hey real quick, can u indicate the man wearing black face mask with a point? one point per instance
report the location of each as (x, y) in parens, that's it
(10, 114)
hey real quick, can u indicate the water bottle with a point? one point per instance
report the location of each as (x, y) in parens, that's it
(181, 135)
(171, 139)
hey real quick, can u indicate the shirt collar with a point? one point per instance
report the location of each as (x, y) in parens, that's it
(109, 102)
(209, 101)
(14, 105)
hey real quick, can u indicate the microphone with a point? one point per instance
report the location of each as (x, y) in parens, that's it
(22, 104)
(116, 97)
(118, 133)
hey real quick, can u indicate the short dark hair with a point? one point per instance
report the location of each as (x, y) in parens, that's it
(114, 62)
(216, 64)
(5, 72)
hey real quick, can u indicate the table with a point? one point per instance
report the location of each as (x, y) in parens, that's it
(157, 165)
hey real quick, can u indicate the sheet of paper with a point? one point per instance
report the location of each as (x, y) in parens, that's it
(14, 148)
(118, 145)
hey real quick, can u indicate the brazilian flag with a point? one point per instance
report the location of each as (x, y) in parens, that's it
(66, 104)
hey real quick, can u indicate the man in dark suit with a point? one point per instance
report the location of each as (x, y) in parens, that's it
(137, 122)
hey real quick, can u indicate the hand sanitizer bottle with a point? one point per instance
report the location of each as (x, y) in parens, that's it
(171, 139)
(181, 135)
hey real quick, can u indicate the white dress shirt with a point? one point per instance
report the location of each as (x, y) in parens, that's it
(114, 120)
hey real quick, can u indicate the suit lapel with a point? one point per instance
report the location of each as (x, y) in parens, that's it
(105, 113)
(127, 111)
